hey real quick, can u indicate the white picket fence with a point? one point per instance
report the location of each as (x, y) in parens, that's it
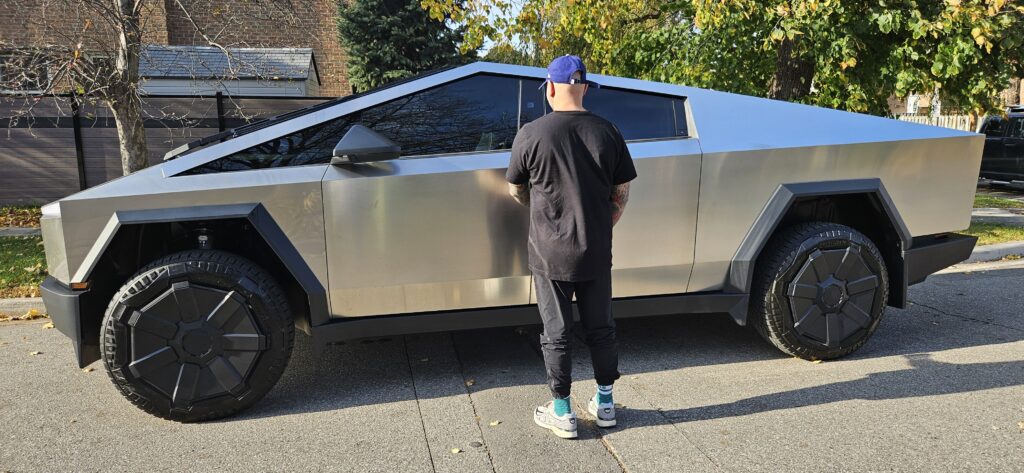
(956, 122)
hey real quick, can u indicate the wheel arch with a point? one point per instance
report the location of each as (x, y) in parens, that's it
(862, 204)
(133, 238)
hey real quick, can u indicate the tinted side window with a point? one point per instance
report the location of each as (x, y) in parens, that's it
(993, 127)
(475, 114)
(479, 113)
(1016, 129)
(638, 116)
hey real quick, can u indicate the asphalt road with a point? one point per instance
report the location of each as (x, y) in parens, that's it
(940, 387)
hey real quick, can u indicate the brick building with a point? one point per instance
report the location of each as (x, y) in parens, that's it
(234, 24)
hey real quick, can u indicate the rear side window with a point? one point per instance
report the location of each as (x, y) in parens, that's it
(637, 115)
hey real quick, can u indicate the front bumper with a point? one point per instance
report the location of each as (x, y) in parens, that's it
(65, 308)
(932, 253)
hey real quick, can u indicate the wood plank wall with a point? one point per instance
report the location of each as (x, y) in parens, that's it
(38, 161)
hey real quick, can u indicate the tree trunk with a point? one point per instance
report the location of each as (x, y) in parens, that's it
(1011, 96)
(793, 73)
(124, 100)
(131, 135)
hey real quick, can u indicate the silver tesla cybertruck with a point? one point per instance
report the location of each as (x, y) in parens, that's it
(387, 213)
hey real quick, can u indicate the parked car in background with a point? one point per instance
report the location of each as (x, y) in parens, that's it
(387, 213)
(1003, 157)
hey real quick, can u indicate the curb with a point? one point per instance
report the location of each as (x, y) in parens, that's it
(1000, 216)
(19, 306)
(996, 251)
(17, 231)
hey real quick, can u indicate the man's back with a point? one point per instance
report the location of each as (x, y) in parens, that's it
(572, 161)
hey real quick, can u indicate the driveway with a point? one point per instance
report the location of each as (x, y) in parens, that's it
(938, 388)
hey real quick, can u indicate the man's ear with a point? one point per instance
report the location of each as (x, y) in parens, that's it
(551, 89)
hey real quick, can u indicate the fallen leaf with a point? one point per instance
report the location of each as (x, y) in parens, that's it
(496, 422)
(816, 361)
(424, 360)
(34, 353)
(1020, 425)
(87, 370)
(456, 450)
(47, 325)
(470, 382)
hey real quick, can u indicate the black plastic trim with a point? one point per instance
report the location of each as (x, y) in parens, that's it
(64, 306)
(258, 217)
(741, 269)
(388, 325)
(932, 253)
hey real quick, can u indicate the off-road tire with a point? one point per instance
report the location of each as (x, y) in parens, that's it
(173, 356)
(788, 288)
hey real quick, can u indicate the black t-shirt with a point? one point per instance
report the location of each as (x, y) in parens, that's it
(572, 160)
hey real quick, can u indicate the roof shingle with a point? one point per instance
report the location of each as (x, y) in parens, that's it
(208, 62)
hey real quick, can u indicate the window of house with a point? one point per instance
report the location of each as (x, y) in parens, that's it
(21, 73)
(479, 113)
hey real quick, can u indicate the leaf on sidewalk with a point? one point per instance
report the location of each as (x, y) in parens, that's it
(34, 353)
(47, 325)
(1020, 425)
(456, 450)
(87, 370)
(470, 382)
(496, 422)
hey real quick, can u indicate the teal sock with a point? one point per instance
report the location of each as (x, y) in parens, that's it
(562, 406)
(604, 394)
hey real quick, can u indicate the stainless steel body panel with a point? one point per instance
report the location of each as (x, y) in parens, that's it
(930, 181)
(291, 195)
(441, 233)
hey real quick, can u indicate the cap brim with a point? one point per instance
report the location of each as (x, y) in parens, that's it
(588, 82)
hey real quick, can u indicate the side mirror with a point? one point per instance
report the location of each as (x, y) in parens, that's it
(363, 145)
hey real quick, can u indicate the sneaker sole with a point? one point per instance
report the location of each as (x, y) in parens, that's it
(558, 432)
(601, 423)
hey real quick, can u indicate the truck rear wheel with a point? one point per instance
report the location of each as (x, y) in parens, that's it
(197, 335)
(819, 290)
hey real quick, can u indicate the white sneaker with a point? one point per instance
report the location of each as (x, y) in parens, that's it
(562, 426)
(604, 413)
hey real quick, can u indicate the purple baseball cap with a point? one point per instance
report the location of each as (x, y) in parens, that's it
(562, 68)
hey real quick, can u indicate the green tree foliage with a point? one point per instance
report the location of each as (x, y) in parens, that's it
(848, 54)
(388, 40)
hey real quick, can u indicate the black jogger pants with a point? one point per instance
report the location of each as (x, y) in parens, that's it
(594, 301)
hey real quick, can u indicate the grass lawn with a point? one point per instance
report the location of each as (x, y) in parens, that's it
(20, 216)
(989, 233)
(982, 201)
(22, 266)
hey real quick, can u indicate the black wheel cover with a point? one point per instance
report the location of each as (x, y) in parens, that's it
(197, 335)
(832, 296)
(194, 342)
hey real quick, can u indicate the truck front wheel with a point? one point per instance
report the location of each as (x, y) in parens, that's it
(819, 290)
(197, 335)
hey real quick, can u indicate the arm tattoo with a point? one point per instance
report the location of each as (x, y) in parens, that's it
(520, 192)
(620, 195)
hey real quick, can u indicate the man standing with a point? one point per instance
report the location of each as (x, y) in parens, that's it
(572, 168)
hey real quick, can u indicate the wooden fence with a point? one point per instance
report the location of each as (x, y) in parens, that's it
(956, 122)
(64, 149)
